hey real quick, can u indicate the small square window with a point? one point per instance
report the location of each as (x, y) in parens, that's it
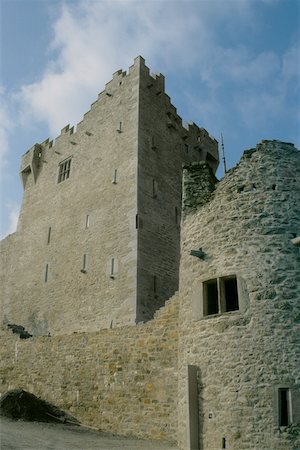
(220, 295)
(64, 170)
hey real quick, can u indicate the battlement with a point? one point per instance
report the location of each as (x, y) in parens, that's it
(193, 137)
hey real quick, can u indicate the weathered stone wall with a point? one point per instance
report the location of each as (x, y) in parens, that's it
(122, 380)
(71, 300)
(243, 356)
(70, 232)
(164, 145)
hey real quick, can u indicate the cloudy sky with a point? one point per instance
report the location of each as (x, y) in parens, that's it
(231, 66)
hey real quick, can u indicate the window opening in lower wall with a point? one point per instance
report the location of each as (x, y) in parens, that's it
(231, 302)
(220, 295)
(210, 296)
(284, 407)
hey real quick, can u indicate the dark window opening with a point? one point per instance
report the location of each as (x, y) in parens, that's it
(64, 170)
(49, 235)
(220, 295)
(283, 407)
(155, 285)
(211, 305)
(46, 273)
(231, 294)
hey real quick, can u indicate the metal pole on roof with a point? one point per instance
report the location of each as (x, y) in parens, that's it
(223, 154)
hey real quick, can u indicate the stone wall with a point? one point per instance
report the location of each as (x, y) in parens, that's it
(73, 299)
(121, 380)
(55, 271)
(164, 145)
(243, 356)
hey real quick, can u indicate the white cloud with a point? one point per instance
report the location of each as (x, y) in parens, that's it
(13, 218)
(94, 38)
(12, 213)
(6, 125)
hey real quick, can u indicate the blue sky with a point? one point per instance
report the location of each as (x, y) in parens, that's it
(231, 66)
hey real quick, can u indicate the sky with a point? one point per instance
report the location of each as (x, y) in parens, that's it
(231, 66)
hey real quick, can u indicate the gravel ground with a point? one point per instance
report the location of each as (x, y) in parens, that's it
(17, 435)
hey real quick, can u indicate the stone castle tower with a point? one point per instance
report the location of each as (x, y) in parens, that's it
(217, 366)
(97, 243)
(240, 304)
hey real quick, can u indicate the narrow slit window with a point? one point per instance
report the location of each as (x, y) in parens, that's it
(49, 235)
(154, 188)
(136, 221)
(64, 170)
(87, 221)
(284, 406)
(84, 263)
(119, 129)
(155, 285)
(112, 268)
(153, 144)
(114, 180)
(46, 273)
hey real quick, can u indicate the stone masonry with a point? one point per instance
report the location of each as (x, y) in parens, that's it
(245, 228)
(97, 243)
(213, 366)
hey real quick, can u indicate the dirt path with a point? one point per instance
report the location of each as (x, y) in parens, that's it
(17, 435)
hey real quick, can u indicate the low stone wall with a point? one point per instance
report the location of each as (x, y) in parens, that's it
(121, 380)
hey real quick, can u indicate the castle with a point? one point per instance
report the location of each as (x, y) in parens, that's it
(162, 303)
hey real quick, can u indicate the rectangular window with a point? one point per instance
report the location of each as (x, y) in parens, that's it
(49, 235)
(284, 407)
(210, 296)
(230, 294)
(119, 129)
(64, 170)
(220, 295)
(87, 221)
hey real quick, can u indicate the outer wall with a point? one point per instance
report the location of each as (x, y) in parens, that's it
(242, 357)
(122, 380)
